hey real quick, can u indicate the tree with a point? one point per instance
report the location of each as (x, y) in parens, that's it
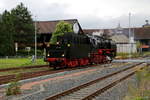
(6, 35)
(61, 28)
(15, 26)
(23, 25)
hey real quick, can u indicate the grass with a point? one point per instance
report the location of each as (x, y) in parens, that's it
(146, 53)
(142, 90)
(19, 62)
(127, 55)
(133, 55)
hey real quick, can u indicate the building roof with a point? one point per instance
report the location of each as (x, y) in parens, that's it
(142, 33)
(138, 33)
(47, 27)
(120, 38)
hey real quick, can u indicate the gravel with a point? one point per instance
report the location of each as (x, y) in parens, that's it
(79, 95)
(119, 91)
(52, 87)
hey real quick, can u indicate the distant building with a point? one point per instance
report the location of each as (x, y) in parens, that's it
(119, 35)
(123, 44)
(119, 29)
(147, 24)
(143, 36)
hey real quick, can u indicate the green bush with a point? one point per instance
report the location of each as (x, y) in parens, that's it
(14, 87)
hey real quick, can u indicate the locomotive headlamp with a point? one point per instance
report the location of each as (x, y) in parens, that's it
(68, 45)
(48, 45)
(62, 55)
(57, 42)
(48, 54)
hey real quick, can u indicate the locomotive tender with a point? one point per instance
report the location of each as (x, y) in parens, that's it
(72, 50)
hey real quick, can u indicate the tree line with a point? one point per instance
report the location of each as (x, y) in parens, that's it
(16, 26)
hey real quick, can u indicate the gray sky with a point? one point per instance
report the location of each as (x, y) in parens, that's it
(90, 13)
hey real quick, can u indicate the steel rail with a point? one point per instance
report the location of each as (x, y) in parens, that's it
(8, 78)
(74, 89)
(25, 67)
(100, 91)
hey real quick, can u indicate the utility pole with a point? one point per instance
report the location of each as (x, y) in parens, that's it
(35, 40)
(129, 26)
(130, 34)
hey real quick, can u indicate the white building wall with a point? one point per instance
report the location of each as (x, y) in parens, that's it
(126, 48)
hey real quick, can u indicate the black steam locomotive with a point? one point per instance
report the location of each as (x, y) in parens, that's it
(72, 50)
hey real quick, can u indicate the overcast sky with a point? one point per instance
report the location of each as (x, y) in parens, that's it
(90, 13)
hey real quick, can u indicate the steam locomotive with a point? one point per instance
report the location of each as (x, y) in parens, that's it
(72, 50)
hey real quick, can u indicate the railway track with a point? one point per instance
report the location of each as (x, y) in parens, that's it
(21, 68)
(8, 78)
(93, 88)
